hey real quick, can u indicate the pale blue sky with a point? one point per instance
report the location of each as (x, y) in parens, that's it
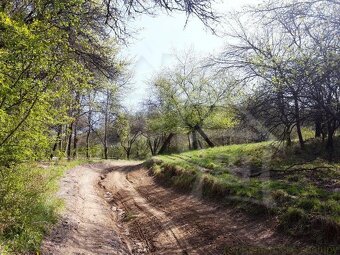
(160, 37)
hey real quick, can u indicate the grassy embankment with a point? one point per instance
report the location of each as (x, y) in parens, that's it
(28, 204)
(300, 187)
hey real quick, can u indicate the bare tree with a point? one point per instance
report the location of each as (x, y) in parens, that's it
(286, 63)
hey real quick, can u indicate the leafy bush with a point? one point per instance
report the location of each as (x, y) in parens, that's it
(280, 196)
(255, 165)
(294, 220)
(309, 204)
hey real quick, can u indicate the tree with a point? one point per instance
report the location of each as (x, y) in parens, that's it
(129, 129)
(192, 96)
(160, 124)
(53, 49)
(286, 62)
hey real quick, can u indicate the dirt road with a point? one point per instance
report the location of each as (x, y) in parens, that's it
(118, 208)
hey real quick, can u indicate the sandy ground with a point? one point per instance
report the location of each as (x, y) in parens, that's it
(118, 208)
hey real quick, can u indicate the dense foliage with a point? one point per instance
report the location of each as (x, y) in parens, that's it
(60, 76)
(48, 56)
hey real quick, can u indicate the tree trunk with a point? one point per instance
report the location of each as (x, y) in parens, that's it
(57, 141)
(69, 142)
(75, 126)
(330, 142)
(75, 141)
(166, 143)
(60, 144)
(200, 144)
(286, 133)
(299, 132)
(318, 128)
(151, 147)
(89, 123)
(194, 139)
(298, 121)
(323, 134)
(128, 152)
(156, 144)
(189, 141)
(288, 139)
(106, 120)
(105, 148)
(67, 127)
(205, 137)
(88, 143)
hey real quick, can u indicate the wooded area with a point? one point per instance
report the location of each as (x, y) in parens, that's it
(63, 81)
(60, 76)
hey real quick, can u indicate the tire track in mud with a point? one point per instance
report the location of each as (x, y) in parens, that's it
(159, 235)
(118, 208)
(168, 222)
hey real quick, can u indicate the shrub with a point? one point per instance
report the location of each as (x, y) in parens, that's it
(294, 221)
(184, 180)
(294, 178)
(255, 165)
(238, 162)
(211, 165)
(325, 229)
(309, 204)
(280, 196)
(331, 207)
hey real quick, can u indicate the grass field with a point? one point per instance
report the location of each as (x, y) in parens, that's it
(300, 187)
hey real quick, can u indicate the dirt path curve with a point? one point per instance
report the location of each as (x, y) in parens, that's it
(87, 226)
(120, 209)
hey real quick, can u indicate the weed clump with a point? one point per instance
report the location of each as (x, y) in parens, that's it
(294, 221)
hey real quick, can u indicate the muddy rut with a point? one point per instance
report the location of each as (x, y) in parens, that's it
(118, 208)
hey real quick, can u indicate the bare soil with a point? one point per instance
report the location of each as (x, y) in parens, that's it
(118, 208)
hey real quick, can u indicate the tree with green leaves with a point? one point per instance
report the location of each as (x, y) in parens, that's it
(129, 129)
(192, 98)
(50, 52)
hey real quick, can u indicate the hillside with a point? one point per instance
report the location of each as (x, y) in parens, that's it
(301, 188)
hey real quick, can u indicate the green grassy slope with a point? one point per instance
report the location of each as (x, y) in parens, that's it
(299, 186)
